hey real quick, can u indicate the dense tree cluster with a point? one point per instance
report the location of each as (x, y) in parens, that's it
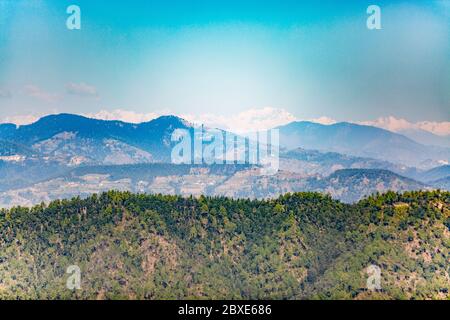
(298, 246)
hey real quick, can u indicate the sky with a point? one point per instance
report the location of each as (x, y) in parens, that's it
(245, 64)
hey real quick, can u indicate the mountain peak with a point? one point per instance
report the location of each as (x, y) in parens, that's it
(62, 116)
(170, 120)
(7, 129)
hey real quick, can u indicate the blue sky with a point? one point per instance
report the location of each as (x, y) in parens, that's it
(226, 58)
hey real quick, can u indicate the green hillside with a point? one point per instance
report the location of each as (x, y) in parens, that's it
(299, 246)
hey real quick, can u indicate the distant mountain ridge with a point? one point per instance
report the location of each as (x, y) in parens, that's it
(435, 173)
(325, 163)
(443, 184)
(235, 181)
(152, 137)
(350, 185)
(426, 137)
(48, 126)
(363, 141)
(66, 155)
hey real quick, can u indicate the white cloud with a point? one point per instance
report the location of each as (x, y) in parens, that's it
(123, 115)
(397, 125)
(324, 120)
(249, 120)
(389, 123)
(439, 128)
(37, 93)
(81, 89)
(20, 119)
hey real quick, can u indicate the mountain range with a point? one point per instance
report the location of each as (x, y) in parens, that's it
(52, 134)
(426, 137)
(234, 181)
(362, 141)
(61, 156)
(73, 138)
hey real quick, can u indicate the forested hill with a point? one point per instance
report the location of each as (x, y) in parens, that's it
(299, 246)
